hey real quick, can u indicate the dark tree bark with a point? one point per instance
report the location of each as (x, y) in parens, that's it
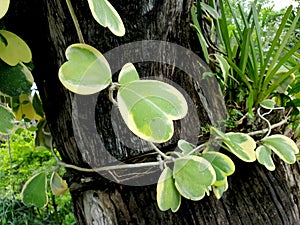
(255, 196)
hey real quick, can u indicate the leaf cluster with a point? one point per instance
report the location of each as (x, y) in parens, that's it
(248, 65)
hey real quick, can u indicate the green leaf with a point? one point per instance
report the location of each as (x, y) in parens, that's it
(86, 72)
(218, 133)
(283, 85)
(210, 10)
(250, 103)
(37, 105)
(193, 175)
(242, 145)
(219, 190)
(220, 161)
(222, 165)
(166, 193)
(128, 73)
(149, 107)
(15, 51)
(201, 38)
(15, 80)
(7, 120)
(283, 146)
(223, 65)
(263, 155)
(35, 191)
(25, 109)
(57, 184)
(185, 146)
(221, 178)
(4, 4)
(268, 104)
(106, 15)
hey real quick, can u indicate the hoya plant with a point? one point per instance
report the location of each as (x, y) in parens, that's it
(148, 108)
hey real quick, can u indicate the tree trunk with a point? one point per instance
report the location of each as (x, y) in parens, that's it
(255, 196)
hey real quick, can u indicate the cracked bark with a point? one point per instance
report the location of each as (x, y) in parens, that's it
(255, 196)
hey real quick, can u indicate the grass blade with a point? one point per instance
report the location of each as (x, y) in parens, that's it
(224, 30)
(258, 35)
(275, 40)
(283, 44)
(245, 49)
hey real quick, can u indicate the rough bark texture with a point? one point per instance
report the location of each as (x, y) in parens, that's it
(255, 196)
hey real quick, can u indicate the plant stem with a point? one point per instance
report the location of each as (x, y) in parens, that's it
(197, 148)
(114, 86)
(160, 152)
(109, 168)
(270, 127)
(75, 21)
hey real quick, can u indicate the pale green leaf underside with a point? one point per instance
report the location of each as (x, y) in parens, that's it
(86, 72)
(264, 157)
(148, 108)
(283, 146)
(7, 119)
(242, 145)
(35, 191)
(4, 4)
(57, 184)
(106, 15)
(166, 193)
(15, 51)
(193, 175)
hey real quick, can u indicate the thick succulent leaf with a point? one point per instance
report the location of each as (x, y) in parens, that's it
(57, 184)
(219, 190)
(221, 178)
(264, 157)
(242, 145)
(86, 72)
(283, 146)
(15, 50)
(193, 175)
(128, 73)
(166, 193)
(106, 15)
(4, 4)
(268, 104)
(7, 120)
(15, 80)
(185, 146)
(149, 107)
(35, 191)
(220, 161)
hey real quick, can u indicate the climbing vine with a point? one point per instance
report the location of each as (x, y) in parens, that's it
(148, 108)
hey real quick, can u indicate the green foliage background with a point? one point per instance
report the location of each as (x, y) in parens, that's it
(20, 159)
